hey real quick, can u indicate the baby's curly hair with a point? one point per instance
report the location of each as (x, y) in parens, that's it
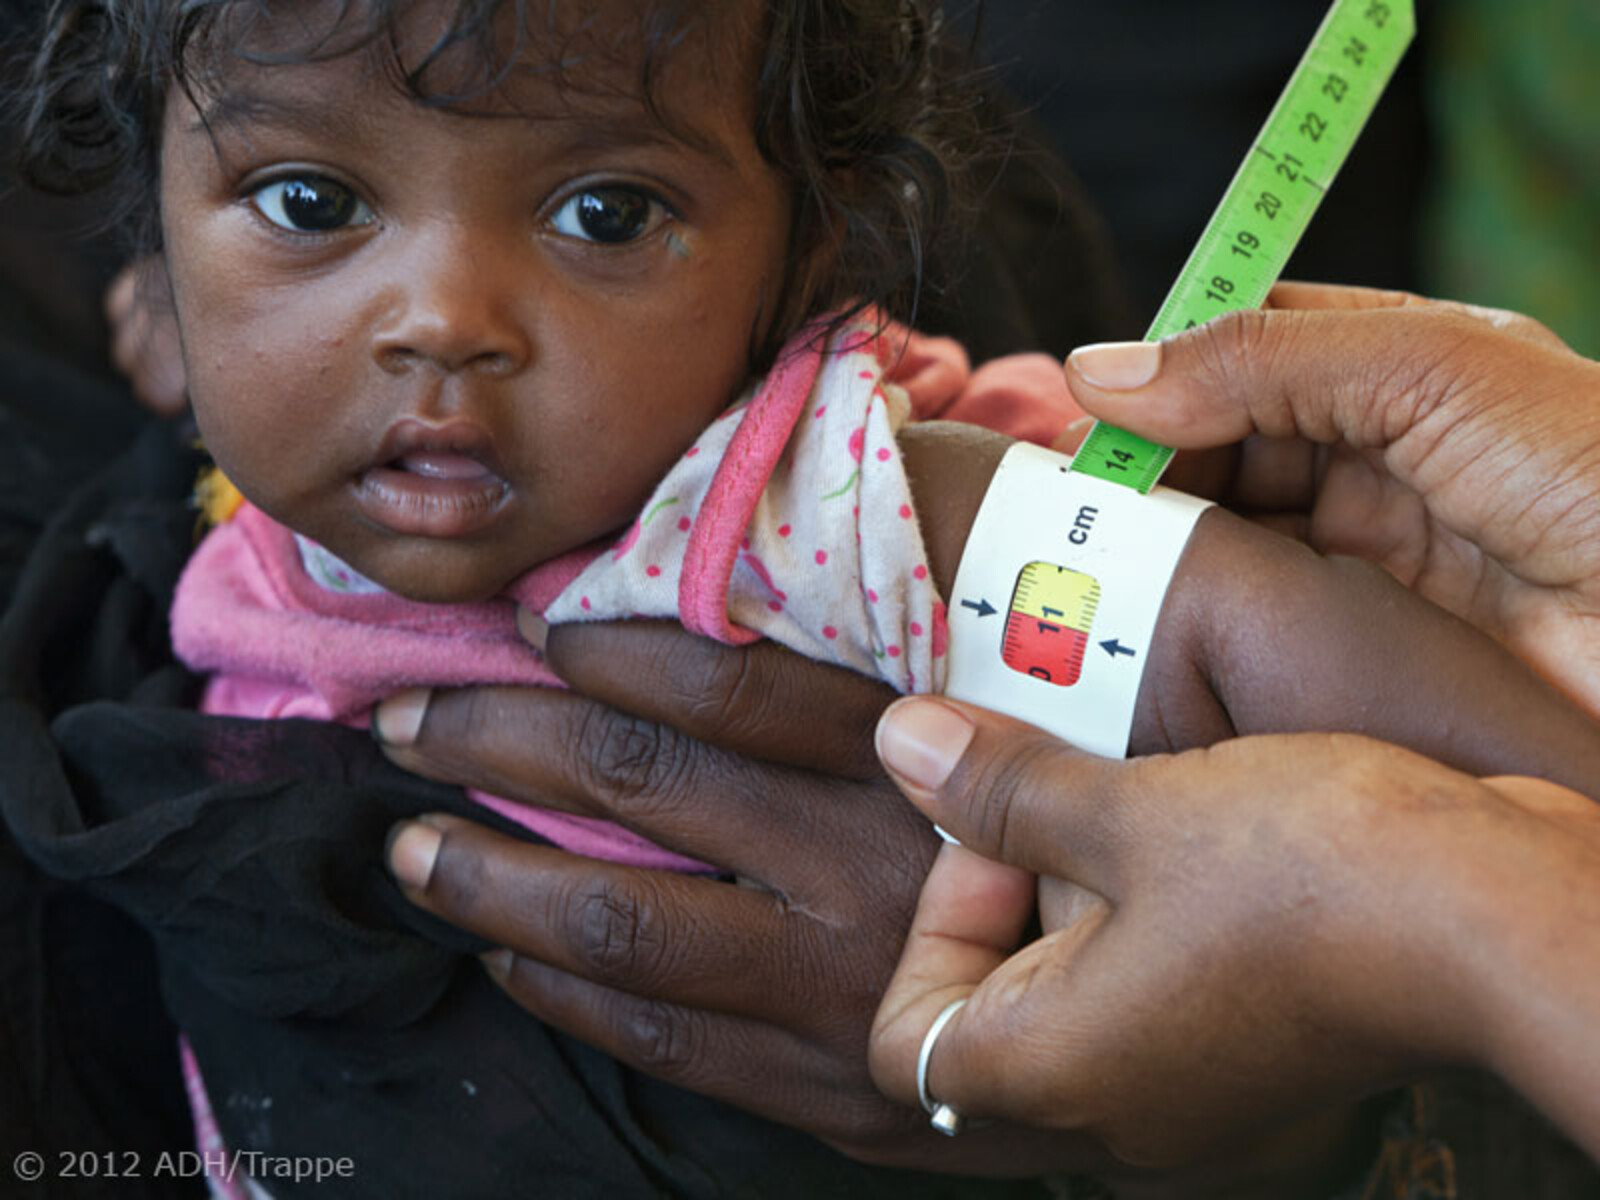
(857, 103)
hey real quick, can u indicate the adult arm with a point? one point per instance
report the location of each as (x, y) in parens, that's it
(1456, 446)
(1282, 923)
(761, 995)
(728, 990)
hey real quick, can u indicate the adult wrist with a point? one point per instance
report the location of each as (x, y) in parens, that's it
(1323, 1155)
(1532, 982)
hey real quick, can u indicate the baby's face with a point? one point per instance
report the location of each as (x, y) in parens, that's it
(451, 346)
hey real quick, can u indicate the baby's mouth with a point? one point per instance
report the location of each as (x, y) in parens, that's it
(433, 483)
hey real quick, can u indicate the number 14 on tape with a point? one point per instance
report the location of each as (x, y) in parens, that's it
(1271, 200)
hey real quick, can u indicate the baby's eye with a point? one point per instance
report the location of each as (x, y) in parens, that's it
(610, 215)
(310, 204)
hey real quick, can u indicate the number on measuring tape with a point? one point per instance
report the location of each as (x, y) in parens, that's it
(1271, 200)
(1047, 629)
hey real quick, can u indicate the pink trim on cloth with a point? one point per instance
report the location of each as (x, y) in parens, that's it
(225, 1183)
(735, 491)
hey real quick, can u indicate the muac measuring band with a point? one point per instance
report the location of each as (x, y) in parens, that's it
(1082, 549)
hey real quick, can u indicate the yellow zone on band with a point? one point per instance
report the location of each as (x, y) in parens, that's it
(1059, 595)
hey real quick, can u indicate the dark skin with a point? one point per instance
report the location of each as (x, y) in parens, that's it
(694, 981)
(1332, 911)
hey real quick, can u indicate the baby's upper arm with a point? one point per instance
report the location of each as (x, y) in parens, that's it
(1261, 634)
(1291, 641)
(949, 466)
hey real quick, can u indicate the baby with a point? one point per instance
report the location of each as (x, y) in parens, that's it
(579, 305)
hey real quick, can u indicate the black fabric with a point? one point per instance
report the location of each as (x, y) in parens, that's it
(1037, 272)
(331, 1017)
(88, 1060)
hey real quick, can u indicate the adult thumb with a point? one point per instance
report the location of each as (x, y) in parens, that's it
(1007, 790)
(1359, 376)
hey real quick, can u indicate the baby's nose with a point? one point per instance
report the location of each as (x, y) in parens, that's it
(454, 310)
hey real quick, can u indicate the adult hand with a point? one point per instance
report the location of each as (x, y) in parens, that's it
(760, 995)
(144, 336)
(1285, 923)
(1456, 446)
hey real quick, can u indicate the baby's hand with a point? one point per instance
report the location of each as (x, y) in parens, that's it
(144, 335)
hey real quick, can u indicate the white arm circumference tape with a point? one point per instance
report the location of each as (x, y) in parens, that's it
(1057, 597)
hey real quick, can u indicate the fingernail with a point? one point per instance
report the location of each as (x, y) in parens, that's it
(922, 740)
(533, 628)
(397, 720)
(1117, 366)
(497, 963)
(1070, 438)
(413, 848)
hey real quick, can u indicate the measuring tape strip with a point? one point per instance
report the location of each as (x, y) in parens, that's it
(1068, 563)
(1291, 164)
(1057, 596)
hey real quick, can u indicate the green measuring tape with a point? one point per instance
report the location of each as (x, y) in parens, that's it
(1271, 200)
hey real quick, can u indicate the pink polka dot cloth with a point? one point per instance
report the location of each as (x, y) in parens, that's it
(790, 518)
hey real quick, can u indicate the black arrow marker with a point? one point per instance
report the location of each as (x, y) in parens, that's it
(1114, 648)
(983, 608)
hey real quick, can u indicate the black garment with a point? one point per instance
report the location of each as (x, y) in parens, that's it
(332, 1017)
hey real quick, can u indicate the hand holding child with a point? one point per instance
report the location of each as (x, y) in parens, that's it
(760, 995)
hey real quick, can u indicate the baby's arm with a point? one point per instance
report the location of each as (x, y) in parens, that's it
(1259, 634)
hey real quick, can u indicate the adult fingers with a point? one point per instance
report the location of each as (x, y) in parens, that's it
(642, 931)
(729, 1058)
(970, 920)
(770, 1071)
(695, 981)
(761, 701)
(1365, 376)
(1011, 792)
(560, 750)
(1291, 294)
